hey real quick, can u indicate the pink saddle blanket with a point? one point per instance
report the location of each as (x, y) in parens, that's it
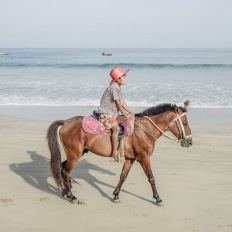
(93, 126)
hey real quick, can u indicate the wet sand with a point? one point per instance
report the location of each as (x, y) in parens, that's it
(195, 184)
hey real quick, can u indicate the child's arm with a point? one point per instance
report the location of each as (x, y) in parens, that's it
(125, 110)
(126, 107)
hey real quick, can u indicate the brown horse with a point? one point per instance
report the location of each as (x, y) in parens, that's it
(149, 126)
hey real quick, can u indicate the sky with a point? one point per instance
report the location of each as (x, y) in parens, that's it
(116, 24)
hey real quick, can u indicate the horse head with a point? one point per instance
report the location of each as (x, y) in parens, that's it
(180, 126)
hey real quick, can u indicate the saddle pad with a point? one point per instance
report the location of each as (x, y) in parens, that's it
(93, 126)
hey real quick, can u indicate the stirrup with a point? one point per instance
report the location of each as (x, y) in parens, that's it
(96, 115)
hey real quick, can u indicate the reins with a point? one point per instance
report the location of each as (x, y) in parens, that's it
(163, 133)
(144, 130)
(178, 117)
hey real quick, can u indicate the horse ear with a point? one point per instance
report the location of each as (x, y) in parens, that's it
(186, 103)
(176, 109)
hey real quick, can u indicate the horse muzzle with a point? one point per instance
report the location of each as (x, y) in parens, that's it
(186, 142)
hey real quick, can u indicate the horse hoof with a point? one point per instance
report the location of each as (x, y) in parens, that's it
(64, 193)
(72, 199)
(158, 201)
(116, 199)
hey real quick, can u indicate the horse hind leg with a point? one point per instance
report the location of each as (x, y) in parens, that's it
(63, 172)
(66, 188)
(67, 167)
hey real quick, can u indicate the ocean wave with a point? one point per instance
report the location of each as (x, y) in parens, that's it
(110, 65)
(95, 103)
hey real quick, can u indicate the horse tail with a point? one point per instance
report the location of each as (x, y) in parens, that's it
(55, 162)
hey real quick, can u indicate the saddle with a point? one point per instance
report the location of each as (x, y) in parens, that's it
(92, 125)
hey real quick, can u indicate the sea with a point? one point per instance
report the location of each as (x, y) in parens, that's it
(78, 77)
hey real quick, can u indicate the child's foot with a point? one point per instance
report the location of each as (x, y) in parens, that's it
(115, 157)
(122, 160)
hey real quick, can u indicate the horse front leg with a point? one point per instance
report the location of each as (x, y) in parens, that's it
(146, 165)
(151, 179)
(125, 170)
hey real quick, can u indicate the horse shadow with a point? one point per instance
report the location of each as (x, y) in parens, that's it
(36, 173)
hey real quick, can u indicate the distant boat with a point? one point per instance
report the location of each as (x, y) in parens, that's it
(107, 54)
(3, 54)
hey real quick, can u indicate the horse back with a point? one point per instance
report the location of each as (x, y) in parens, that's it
(74, 138)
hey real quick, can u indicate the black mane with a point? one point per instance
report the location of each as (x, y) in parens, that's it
(159, 109)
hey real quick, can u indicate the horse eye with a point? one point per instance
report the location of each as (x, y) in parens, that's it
(185, 123)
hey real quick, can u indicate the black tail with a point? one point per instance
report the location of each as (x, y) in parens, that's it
(55, 163)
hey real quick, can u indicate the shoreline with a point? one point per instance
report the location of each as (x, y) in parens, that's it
(195, 115)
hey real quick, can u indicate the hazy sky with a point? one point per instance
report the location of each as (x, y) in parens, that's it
(116, 23)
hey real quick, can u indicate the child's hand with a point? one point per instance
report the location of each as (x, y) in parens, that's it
(130, 116)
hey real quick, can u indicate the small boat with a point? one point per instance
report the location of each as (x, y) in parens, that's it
(3, 54)
(107, 54)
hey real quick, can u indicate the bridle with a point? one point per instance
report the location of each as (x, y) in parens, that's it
(179, 124)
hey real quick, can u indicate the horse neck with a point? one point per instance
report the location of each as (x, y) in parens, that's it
(163, 120)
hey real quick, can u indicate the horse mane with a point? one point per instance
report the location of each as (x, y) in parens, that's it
(159, 109)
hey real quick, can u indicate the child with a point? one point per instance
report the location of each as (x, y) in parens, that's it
(112, 103)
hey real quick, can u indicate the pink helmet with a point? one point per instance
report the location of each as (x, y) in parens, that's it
(117, 72)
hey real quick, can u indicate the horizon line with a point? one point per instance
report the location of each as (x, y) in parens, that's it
(115, 48)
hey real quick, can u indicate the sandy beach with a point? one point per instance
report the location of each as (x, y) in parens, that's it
(195, 184)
